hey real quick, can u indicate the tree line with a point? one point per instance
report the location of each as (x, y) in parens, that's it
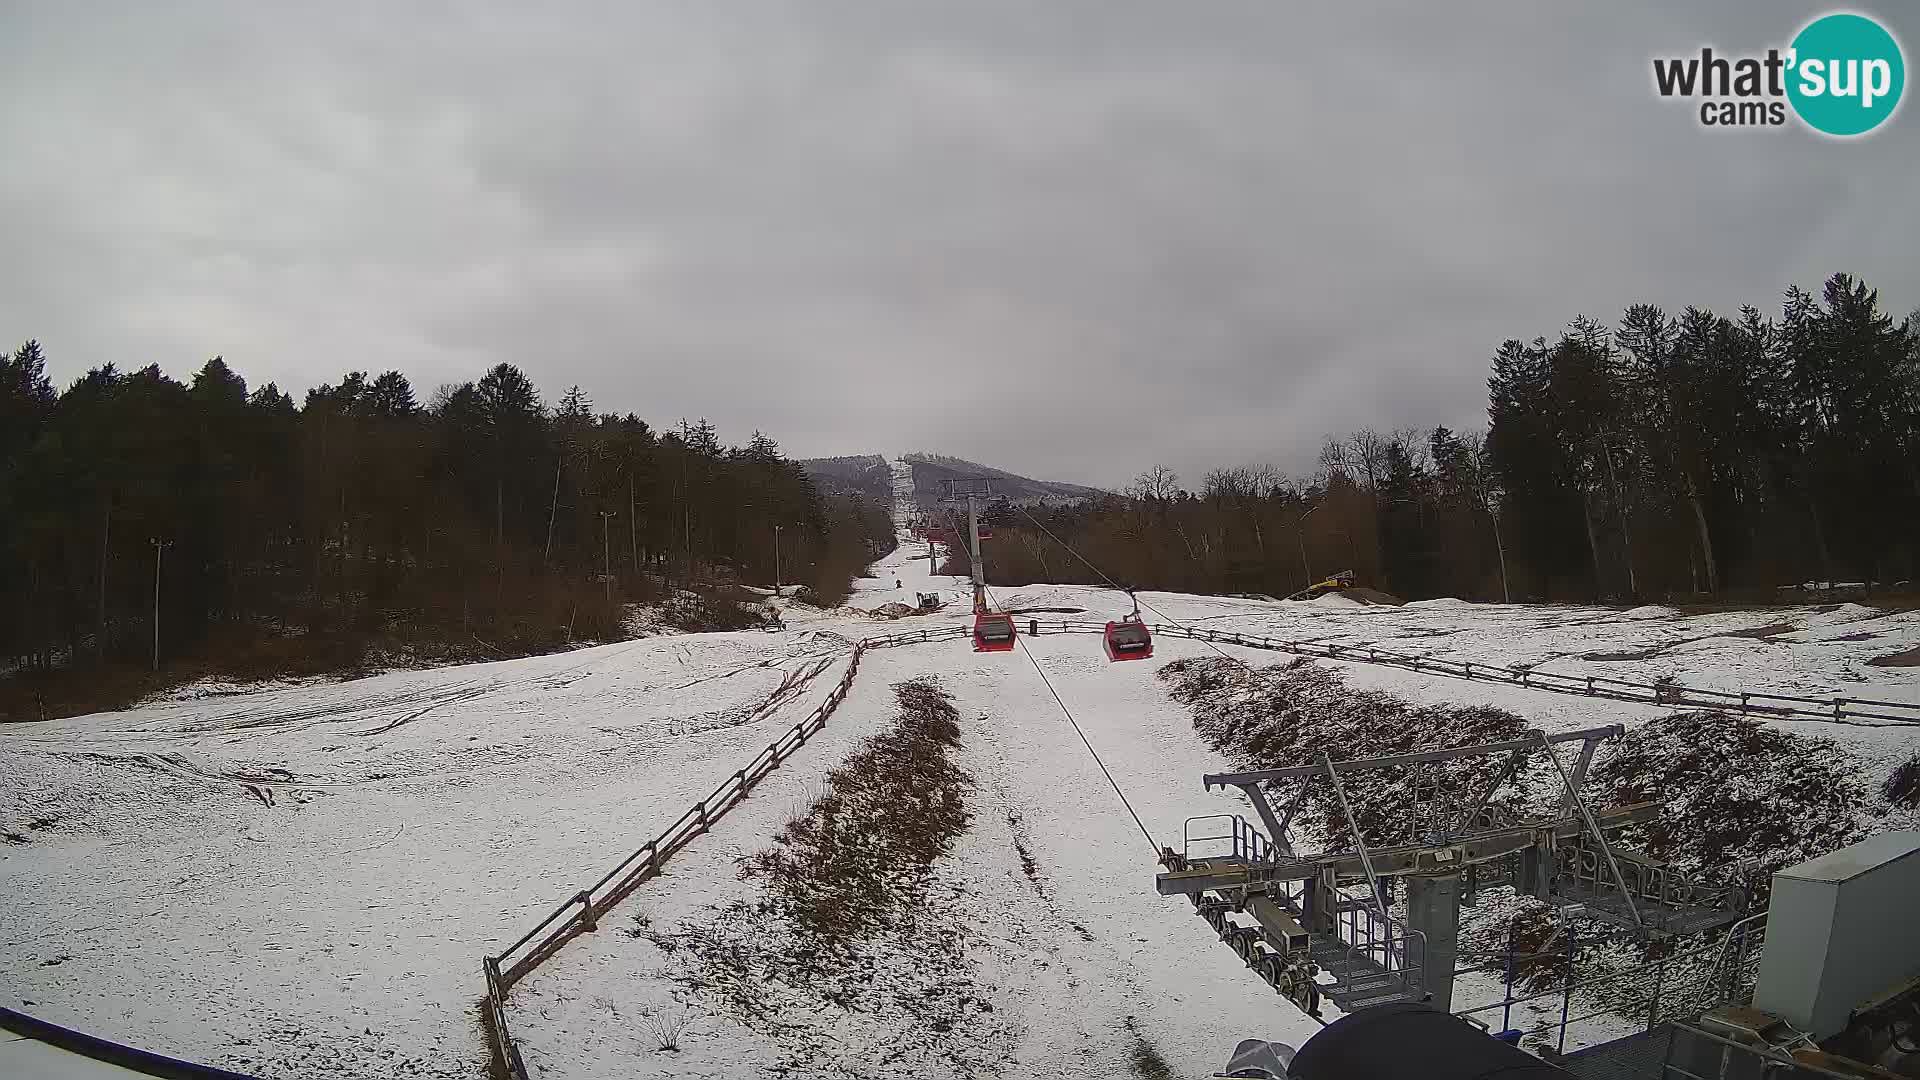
(482, 517)
(1669, 456)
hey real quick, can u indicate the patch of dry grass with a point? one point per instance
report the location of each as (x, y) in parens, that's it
(851, 860)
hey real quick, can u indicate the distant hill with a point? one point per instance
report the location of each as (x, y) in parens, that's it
(866, 475)
(931, 471)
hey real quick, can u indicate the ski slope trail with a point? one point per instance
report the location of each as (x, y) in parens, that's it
(1046, 919)
(298, 881)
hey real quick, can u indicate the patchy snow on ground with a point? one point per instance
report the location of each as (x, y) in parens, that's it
(300, 881)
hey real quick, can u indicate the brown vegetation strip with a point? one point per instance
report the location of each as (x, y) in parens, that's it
(859, 852)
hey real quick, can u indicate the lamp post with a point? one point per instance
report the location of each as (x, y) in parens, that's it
(606, 553)
(776, 559)
(159, 546)
(1301, 527)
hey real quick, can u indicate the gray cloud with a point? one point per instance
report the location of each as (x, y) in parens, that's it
(1070, 239)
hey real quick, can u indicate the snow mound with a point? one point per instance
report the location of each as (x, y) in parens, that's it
(895, 610)
(1842, 613)
(1650, 611)
(1442, 603)
(1336, 600)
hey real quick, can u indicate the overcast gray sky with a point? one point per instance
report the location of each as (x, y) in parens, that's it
(1067, 239)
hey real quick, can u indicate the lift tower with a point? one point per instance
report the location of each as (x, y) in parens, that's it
(972, 490)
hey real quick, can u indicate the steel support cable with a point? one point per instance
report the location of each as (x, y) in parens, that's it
(1139, 603)
(1077, 730)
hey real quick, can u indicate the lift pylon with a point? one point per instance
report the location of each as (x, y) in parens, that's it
(992, 631)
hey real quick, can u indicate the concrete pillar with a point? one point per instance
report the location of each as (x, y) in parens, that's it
(1433, 909)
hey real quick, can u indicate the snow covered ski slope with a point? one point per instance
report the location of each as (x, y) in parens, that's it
(299, 881)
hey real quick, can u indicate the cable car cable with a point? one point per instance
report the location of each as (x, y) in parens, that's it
(1078, 730)
(1138, 603)
(992, 603)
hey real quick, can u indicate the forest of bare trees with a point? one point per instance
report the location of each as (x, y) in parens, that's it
(481, 522)
(1671, 456)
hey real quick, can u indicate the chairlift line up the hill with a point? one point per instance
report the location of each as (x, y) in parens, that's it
(995, 631)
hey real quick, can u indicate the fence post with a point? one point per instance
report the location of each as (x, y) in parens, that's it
(586, 915)
(700, 808)
(1589, 686)
(1743, 704)
(1839, 707)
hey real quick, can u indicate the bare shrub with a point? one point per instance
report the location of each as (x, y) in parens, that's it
(852, 860)
(711, 609)
(1286, 714)
(1903, 784)
(664, 1028)
(1735, 791)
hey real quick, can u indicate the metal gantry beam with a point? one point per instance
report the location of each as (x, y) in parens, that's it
(1532, 742)
(1295, 898)
(1397, 861)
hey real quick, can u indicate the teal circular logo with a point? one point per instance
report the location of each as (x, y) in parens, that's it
(1846, 74)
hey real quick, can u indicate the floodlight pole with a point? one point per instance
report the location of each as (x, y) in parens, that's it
(776, 560)
(1301, 528)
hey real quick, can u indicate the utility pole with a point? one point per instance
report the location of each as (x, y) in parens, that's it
(776, 560)
(553, 508)
(606, 553)
(1626, 516)
(159, 546)
(106, 526)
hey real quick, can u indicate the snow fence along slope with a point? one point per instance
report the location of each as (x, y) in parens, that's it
(297, 883)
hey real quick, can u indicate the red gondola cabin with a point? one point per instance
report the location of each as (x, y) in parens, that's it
(992, 632)
(1128, 640)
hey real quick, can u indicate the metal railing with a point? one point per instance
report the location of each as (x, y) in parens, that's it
(1244, 842)
(582, 912)
(1676, 986)
(1380, 941)
(1843, 710)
